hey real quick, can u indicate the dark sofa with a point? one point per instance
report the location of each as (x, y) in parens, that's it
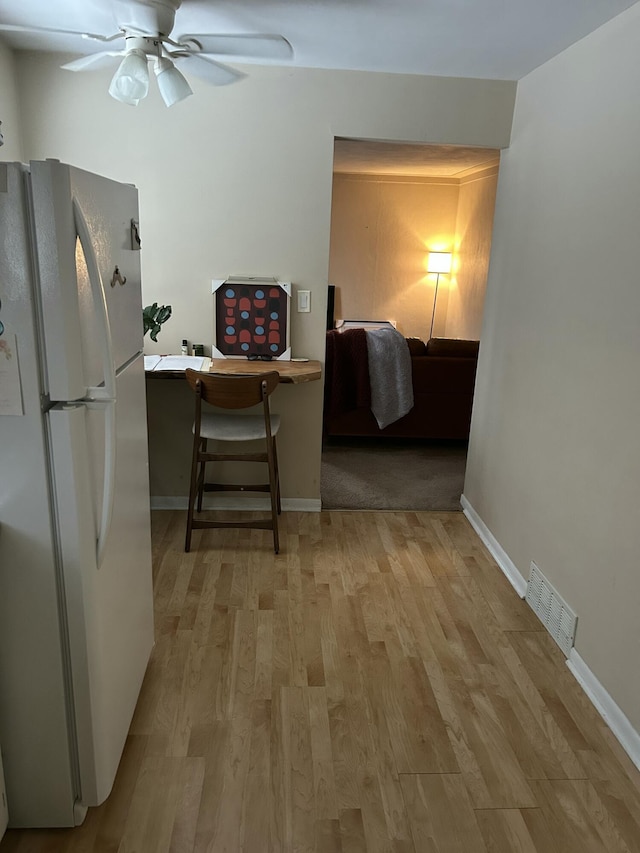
(443, 378)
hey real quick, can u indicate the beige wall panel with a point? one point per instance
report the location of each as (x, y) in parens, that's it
(474, 229)
(237, 179)
(9, 114)
(381, 230)
(554, 466)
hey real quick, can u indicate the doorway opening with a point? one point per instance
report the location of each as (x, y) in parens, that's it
(392, 205)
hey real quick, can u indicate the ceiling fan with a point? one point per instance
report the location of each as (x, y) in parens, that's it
(146, 27)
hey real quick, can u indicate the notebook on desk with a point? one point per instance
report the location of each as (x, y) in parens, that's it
(158, 363)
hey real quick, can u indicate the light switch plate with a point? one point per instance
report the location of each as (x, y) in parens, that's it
(304, 301)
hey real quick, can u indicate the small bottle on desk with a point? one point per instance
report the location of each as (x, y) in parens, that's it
(184, 349)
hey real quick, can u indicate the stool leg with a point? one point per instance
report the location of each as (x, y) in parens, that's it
(273, 490)
(275, 462)
(192, 493)
(201, 473)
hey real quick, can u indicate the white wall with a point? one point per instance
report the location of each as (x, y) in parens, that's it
(381, 230)
(238, 180)
(467, 285)
(554, 464)
(9, 115)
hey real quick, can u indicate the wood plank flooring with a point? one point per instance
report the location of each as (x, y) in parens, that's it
(378, 686)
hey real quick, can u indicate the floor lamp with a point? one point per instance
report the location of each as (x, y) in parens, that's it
(438, 263)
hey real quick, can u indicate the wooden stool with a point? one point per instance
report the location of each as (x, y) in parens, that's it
(233, 392)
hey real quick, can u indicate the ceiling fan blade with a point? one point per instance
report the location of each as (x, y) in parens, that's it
(93, 61)
(242, 45)
(16, 28)
(206, 69)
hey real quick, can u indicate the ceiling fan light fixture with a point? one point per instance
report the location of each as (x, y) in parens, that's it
(172, 84)
(130, 83)
(146, 27)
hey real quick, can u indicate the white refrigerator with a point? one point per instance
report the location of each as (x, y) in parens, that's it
(76, 608)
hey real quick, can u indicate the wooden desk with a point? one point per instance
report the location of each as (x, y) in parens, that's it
(290, 371)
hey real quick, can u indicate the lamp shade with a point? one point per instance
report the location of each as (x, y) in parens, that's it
(130, 83)
(172, 84)
(439, 262)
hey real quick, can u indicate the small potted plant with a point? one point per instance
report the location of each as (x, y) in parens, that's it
(153, 317)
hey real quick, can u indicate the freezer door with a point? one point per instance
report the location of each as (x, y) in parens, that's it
(109, 604)
(88, 267)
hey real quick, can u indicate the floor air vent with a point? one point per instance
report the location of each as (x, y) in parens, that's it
(554, 613)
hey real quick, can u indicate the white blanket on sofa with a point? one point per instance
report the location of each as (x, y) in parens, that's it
(389, 375)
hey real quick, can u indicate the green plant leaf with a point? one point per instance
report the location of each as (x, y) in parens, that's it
(153, 317)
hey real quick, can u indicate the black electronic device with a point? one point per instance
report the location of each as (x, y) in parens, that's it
(331, 306)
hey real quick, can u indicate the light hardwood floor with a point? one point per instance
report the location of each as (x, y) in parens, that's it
(378, 686)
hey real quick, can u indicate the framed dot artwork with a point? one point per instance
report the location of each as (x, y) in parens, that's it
(251, 318)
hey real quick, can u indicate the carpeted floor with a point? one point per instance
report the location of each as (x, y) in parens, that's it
(390, 474)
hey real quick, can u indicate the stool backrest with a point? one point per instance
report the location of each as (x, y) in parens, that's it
(233, 392)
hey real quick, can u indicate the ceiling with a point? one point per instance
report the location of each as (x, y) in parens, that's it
(363, 157)
(493, 39)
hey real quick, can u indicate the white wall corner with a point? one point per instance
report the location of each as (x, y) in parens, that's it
(628, 737)
(515, 578)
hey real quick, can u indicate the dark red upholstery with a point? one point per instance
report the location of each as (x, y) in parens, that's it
(443, 381)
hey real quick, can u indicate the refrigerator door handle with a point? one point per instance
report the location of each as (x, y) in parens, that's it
(108, 390)
(106, 393)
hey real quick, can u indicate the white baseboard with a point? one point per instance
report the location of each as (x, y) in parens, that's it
(603, 703)
(508, 568)
(237, 503)
(622, 729)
